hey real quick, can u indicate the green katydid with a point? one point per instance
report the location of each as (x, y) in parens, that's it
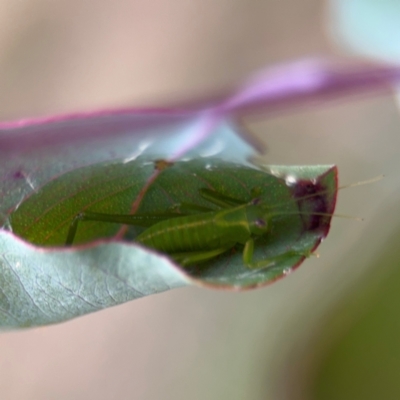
(282, 218)
(206, 234)
(196, 238)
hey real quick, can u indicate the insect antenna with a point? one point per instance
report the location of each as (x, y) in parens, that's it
(322, 214)
(316, 194)
(326, 191)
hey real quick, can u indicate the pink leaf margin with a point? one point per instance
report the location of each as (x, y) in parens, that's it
(33, 151)
(276, 89)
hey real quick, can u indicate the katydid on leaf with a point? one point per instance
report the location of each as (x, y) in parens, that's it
(196, 238)
(196, 211)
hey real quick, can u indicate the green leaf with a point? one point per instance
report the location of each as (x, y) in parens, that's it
(47, 284)
(44, 287)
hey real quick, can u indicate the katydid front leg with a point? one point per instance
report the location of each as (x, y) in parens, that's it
(220, 199)
(192, 258)
(248, 252)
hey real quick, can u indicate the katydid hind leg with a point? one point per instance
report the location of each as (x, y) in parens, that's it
(143, 220)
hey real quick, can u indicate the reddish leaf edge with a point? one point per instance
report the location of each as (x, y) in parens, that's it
(179, 269)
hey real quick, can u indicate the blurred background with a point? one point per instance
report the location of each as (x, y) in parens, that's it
(328, 331)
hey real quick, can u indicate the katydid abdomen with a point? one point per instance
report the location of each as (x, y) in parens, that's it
(205, 231)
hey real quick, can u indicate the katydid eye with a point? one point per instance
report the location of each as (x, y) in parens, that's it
(260, 223)
(256, 201)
